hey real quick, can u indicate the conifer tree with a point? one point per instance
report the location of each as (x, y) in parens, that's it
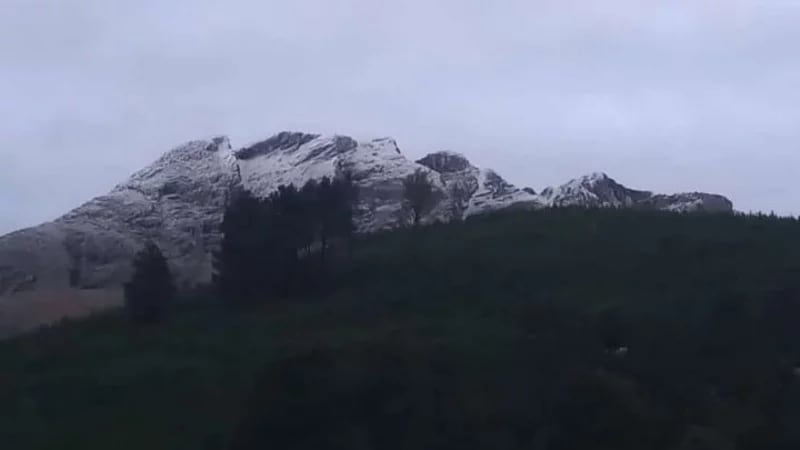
(239, 265)
(151, 288)
(267, 244)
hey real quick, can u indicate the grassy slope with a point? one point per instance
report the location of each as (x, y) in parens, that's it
(26, 311)
(101, 383)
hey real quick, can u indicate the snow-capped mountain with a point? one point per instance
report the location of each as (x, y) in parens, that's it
(178, 202)
(471, 190)
(377, 166)
(598, 190)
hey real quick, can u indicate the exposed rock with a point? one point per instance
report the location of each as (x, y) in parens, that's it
(445, 162)
(473, 190)
(285, 141)
(690, 202)
(377, 166)
(594, 191)
(178, 202)
(598, 190)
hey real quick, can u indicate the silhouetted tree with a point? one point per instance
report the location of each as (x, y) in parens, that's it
(267, 243)
(289, 230)
(246, 253)
(418, 195)
(151, 288)
(338, 197)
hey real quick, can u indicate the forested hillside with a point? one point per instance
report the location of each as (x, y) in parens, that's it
(555, 329)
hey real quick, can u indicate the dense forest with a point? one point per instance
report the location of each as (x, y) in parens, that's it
(555, 329)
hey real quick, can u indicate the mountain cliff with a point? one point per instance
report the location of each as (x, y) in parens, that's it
(178, 202)
(598, 190)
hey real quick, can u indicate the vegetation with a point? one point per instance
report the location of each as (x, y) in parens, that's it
(559, 329)
(269, 246)
(151, 288)
(418, 196)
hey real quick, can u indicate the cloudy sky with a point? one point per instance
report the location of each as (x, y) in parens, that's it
(666, 95)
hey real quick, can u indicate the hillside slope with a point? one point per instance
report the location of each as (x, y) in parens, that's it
(556, 329)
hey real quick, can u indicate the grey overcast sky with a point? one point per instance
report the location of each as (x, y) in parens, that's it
(665, 95)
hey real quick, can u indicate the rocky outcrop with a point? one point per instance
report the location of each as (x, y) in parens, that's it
(598, 190)
(689, 202)
(178, 202)
(446, 162)
(471, 190)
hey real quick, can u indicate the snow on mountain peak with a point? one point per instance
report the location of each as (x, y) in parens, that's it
(219, 143)
(388, 142)
(286, 140)
(594, 190)
(445, 161)
(178, 202)
(597, 176)
(589, 180)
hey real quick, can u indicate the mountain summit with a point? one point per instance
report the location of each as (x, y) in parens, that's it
(178, 202)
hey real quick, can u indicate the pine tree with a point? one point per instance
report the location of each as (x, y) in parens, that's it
(151, 288)
(347, 198)
(336, 201)
(288, 232)
(267, 244)
(239, 265)
(310, 215)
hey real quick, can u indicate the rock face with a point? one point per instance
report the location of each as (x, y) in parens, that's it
(377, 166)
(470, 190)
(598, 190)
(689, 202)
(595, 191)
(446, 162)
(179, 200)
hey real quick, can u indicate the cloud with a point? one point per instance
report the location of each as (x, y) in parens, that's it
(670, 96)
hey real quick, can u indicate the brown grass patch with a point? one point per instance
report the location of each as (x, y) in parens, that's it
(29, 310)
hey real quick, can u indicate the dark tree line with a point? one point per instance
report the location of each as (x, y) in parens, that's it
(688, 340)
(282, 244)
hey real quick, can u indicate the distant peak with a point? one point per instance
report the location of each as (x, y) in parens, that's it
(449, 153)
(445, 162)
(591, 179)
(387, 143)
(285, 140)
(596, 176)
(219, 143)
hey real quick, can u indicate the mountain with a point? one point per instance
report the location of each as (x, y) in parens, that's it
(471, 190)
(598, 190)
(178, 202)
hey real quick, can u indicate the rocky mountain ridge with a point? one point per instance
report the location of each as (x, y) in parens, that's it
(598, 190)
(178, 202)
